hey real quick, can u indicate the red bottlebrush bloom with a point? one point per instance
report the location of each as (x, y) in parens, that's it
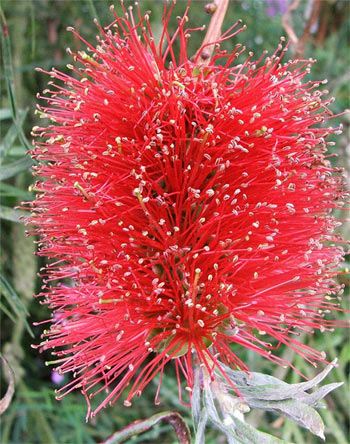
(189, 206)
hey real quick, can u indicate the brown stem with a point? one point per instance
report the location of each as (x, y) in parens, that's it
(6, 400)
(300, 44)
(322, 28)
(214, 30)
(316, 7)
(286, 22)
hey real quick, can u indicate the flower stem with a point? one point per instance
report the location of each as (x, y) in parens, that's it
(218, 8)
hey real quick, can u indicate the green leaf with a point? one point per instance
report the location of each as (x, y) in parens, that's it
(345, 353)
(253, 436)
(140, 426)
(196, 400)
(302, 414)
(14, 302)
(11, 214)
(8, 73)
(266, 392)
(252, 379)
(5, 113)
(16, 151)
(9, 190)
(11, 169)
(7, 312)
(92, 9)
(200, 426)
(314, 398)
(11, 135)
(258, 385)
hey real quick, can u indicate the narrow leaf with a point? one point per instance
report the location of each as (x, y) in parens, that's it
(7, 312)
(277, 391)
(11, 214)
(11, 169)
(314, 398)
(253, 436)
(196, 398)
(210, 405)
(200, 427)
(9, 190)
(92, 9)
(250, 379)
(303, 386)
(11, 296)
(14, 302)
(5, 113)
(17, 151)
(11, 134)
(302, 414)
(8, 72)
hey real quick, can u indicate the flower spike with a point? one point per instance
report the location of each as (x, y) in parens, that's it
(184, 208)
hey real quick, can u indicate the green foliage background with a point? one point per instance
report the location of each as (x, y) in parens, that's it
(37, 37)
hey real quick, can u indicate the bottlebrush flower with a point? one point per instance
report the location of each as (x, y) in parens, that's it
(190, 208)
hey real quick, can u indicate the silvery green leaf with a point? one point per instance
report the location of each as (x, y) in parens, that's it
(257, 385)
(200, 427)
(13, 168)
(210, 405)
(214, 416)
(233, 438)
(270, 392)
(224, 408)
(253, 436)
(302, 414)
(196, 399)
(314, 398)
(11, 214)
(250, 379)
(265, 392)
(229, 431)
(304, 386)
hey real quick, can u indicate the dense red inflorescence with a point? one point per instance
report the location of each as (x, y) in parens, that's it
(185, 209)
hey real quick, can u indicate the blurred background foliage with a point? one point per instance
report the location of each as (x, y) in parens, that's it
(36, 36)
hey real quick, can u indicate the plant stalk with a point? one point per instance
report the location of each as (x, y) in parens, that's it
(218, 8)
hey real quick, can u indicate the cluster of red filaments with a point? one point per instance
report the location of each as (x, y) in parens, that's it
(189, 208)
